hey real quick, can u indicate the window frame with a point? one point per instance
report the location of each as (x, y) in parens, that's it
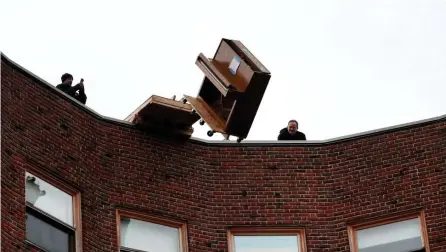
(266, 231)
(378, 221)
(51, 220)
(181, 225)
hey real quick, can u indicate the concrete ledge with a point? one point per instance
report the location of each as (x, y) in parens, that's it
(221, 143)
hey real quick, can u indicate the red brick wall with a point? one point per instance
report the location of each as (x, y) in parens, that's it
(211, 187)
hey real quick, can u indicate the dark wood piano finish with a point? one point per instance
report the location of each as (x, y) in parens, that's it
(228, 100)
(165, 115)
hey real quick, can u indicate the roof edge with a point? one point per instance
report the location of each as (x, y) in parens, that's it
(246, 143)
(336, 140)
(75, 102)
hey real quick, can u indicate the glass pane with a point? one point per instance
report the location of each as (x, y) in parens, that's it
(49, 199)
(263, 243)
(394, 237)
(148, 236)
(45, 235)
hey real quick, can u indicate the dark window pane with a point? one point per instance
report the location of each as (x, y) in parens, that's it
(46, 235)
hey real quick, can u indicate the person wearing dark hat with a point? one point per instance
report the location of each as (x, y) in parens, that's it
(77, 92)
(291, 133)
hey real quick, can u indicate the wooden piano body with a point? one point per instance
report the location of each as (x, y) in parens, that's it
(165, 116)
(231, 91)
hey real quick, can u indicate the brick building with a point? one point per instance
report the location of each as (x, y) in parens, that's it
(73, 180)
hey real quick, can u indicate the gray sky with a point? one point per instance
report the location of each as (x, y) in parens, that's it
(338, 67)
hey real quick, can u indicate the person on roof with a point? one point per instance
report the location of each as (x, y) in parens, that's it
(77, 92)
(291, 133)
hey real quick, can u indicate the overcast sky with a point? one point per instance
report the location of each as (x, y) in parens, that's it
(338, 67)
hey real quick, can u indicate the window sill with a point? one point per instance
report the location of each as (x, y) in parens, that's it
(125, 249)
(35, 246)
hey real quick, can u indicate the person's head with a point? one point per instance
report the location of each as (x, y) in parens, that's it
(67, 78)
(292, 127)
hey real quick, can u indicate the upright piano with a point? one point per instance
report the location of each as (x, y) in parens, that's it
(232, 90)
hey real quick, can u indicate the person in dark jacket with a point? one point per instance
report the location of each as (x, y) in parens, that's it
(291, 133)
(77, 92)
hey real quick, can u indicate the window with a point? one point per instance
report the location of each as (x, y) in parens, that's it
(52, 217)
(266, 239)
(140, 232)
(406, 233)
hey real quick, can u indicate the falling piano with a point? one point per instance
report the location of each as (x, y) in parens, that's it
(228, 100)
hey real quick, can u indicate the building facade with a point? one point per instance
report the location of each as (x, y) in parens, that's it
(73, 180)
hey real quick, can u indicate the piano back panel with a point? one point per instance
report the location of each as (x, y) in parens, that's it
(223, 58)
(245, 109)
(248, 83)
(256, 65)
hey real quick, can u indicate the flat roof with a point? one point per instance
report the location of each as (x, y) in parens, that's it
(244, 143)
